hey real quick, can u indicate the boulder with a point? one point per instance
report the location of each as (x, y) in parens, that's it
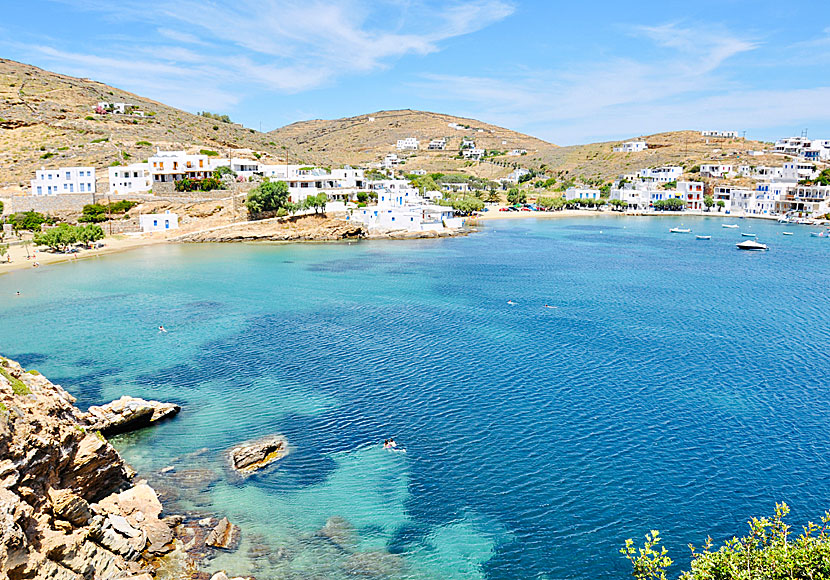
(224, 536)
(339, 532)
(251, 456)
(69, 506)
(128, 414)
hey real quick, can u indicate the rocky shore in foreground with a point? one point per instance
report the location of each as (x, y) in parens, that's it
(71, 508)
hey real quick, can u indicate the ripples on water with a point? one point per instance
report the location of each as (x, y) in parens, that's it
(678, 385)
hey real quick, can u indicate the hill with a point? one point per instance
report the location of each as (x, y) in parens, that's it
(368, 138)
(49, 119)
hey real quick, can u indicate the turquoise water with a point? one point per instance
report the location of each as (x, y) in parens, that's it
(679, 385)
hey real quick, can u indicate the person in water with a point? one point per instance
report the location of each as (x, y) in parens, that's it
(162, 329)
(511, 303)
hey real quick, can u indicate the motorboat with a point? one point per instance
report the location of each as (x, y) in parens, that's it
(733, 226)
(749, 235)
(786, 233)
(817, 234)
(752, 245)
(679, 231)
(704, 237)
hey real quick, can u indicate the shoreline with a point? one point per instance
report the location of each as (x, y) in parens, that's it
(124, 243)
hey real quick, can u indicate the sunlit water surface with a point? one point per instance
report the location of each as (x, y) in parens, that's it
(678, 385)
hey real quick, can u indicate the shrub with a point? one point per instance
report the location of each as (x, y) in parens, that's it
(215, 117)
(143, 144)
(100, 140)
(63, 148)
(18, 386)
(208, 152)
(206, 184)
(89, 118)
(48, 155)
(30, 220)
(267, 197)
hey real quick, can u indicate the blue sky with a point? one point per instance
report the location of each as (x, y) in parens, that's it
(569, 72)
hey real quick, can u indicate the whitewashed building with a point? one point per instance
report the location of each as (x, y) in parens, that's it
(517, 152)
(158, 222)
(661, 174)
(473, 153)
(338, 185)
(63, 180)
(810, 149)
(692, 192)
(400, 210)
(715, 169)
(720, 134)
(798, 171)
(171, 166)
(390, 161)
(133, 178)
(437, 144)
(631, 147)
(408, 144)
(517, 174)
(582, 193)
(244, 168)
(805, 200)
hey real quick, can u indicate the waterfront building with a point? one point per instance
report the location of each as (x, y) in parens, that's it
(339, 185)
(133, 178)
(63, 180)
(692, 192)
(158, 222)
(410, 143)
(660, 174)
(399, 207)
(805, 200)
(810, 149)
(631, 147)
(582, 193)
(171, 166)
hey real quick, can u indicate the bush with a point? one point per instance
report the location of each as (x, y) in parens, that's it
(206, 184)
(215, 117)
(267, 197)
(223, 170)
(89, 118)
(48, 155)
(30, 220)
(672, 204)
(65, 235)
(516, 196)
(208, 152)
(18, 386)
(143, 144)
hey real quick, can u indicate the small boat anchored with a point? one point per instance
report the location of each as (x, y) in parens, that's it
(749, 235)
(704, 237)
(679, 231)
(752, 245)
(786, 233)
(733, 226)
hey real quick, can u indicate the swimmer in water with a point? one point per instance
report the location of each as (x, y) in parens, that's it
(162, 329)
(549, 306)
(511, 303)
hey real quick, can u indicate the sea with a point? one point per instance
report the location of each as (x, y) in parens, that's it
(558, 386)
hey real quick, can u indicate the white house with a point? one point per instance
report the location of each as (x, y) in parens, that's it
(631, 147)
(473, 153)
(244, 168)
(64, 180)
(410, 143)
(720, 134)
(692, 192)
(806, 200)
(339, 184)
(810, 149)
(724, 193)
(133, 178)
(581, 193)
(715, 170)
(158, 222)
(516, 152)
(117, 108)
(170, 166)
(419, 172)
(517, 174)
(400, 209)
(660, 174)
(390, 161)
(437, 144)
(798, 170)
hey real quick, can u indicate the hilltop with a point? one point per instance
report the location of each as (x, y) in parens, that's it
(49, 119)
(368, 138)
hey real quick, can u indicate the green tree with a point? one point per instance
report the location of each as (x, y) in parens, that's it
(516, 196)
(223, 170)
(708, 201)
(93, 213)
(721, 204)
(30, 220)
(90, 233)
(267, 197)
(4, 250)
(362, 196)
(465, 204)
(649, 562)
(1, 208)
(316, 202)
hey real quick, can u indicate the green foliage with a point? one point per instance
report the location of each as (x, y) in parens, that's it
(4, 249)
(465, 204)
(115, 164)
(206, 184)
(650, 561)
(30, 220)
(1, 208)
(208, 152)
(721, 203)
(516, 196)
(670, 185)
(672, 204)
(708, 201)
(64, 235)
(96, 212)
(768, 552)
(47, 155)
(215, 117)
(101, 140)
(267, 197)
(223, 170)
(18, 386)
(618, 204)
(362, 196)
(551, 202)
(89, 118)
(125, 155)
(63, 148)
(143, 144)
(695, 169)
(316, 202)
(426, 183)
(822, 179)
(374, 175)
(526, 177)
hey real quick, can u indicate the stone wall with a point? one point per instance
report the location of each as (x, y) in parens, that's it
(48, 203)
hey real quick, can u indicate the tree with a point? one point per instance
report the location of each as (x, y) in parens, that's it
(721, 204)
(671, 204)
(90, 233)
(1, 208)
(316, 202)
(708, 201)
(30, 220)
(516, 196)
(4, 250)
(267, 197)
(650, 561)
(465, 204)
(223, 170)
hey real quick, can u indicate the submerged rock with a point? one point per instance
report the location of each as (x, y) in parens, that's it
(128, 414)
(339, 532)
(251, 456)
(379, 564)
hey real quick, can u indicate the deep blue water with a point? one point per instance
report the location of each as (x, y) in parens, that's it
(678, 385)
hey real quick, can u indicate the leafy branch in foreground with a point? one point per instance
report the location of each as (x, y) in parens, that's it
(768, 552)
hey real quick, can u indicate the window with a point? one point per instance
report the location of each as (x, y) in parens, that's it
(82, 188)
(39, 190)
(67, 175)
(155, 223)
(64, 187)
(72, 188)
(49, 175)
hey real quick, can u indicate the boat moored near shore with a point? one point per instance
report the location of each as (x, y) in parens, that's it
(752, 245)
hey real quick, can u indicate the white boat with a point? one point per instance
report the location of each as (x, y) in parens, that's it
(679, 231)
(749, 235)
(817, 234)
(704, 237)
(786, 233)
(729, 226)
(752, 245)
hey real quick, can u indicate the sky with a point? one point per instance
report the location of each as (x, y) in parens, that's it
(568, 72)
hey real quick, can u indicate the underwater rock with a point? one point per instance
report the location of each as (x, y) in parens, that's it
(339, 532)
(378, 564)
(251, 456)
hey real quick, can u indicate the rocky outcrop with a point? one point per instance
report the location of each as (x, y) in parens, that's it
(288, 229)
(128, 414)
(224, 536)
(69, 508)
(252, 456)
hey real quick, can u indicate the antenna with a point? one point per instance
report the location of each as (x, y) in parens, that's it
(804, 134)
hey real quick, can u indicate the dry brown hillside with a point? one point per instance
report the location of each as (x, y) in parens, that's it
(48, 119)
(368, 138)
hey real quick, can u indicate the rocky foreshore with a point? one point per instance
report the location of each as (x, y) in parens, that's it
(71, 508)
(288, 229)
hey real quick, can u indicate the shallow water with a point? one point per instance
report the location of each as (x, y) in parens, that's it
(678, 385)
